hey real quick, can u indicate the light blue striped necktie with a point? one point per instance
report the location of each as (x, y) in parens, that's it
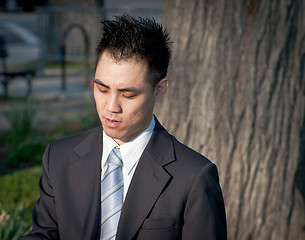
(112, 191)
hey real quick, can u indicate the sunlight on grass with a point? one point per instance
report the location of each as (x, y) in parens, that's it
(20, 189)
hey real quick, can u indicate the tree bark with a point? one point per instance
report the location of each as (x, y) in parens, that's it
(237, 95)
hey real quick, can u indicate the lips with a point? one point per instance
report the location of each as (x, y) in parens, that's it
(112, 122)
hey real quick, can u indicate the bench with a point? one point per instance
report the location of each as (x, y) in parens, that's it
(7, 76)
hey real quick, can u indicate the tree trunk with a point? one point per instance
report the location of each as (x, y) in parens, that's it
(236, 94)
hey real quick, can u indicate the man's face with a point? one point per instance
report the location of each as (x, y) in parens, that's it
(124, 98)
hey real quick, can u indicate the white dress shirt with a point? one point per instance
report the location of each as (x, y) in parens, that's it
(130, 151)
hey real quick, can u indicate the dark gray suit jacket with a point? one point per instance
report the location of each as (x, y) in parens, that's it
(174, 193)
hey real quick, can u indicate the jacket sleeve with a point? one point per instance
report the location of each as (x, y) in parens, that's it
(204, 216)
(44, 219)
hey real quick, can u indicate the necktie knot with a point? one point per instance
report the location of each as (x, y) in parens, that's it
(115, 157)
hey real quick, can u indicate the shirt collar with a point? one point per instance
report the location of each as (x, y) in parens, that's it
(130, 151)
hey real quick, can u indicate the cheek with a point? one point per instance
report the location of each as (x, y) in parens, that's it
(98, 101)
(135, 108)
(138, 111)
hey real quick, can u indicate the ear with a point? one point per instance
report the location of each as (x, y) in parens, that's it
(160, 89)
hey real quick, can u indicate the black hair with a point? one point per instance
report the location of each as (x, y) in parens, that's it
(127, 37)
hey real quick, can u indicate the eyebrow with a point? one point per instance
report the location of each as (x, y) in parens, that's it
(99, 82)
(128, 89)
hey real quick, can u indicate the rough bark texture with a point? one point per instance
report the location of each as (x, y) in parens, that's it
(236, 95)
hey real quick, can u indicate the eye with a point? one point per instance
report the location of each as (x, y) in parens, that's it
(102, 89)
(129, 96)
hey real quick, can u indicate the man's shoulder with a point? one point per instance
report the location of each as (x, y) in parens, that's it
(75, 139)
(184, 151)
(189, 163)
(65, 150)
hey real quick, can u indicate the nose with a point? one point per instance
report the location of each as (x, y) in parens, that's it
(113, 105)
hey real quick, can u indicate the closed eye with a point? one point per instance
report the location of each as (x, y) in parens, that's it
(129, 96)
(102, 89)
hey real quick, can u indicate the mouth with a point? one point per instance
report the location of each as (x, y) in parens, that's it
(112, 119)
(112, 122)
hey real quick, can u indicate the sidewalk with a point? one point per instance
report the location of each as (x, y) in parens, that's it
(55, 105)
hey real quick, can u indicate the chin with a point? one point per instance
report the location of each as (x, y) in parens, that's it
(112, 134)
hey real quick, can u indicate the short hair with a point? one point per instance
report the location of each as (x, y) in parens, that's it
(127, 37)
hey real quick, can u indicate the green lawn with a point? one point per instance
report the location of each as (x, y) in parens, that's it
(20, 189)
(19, 192)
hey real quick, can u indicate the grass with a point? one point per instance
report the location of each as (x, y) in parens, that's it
(12, 226)
(20, 189)
(19, 192)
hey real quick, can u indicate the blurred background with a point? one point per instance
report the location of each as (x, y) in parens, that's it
(47, 51)
(236, 94)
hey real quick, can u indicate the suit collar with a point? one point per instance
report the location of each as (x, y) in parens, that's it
(160, 146)
(149, 180)
(93, 139)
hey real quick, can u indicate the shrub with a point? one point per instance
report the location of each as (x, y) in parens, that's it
(21, 118)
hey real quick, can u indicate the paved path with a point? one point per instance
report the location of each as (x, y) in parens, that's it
(55, 105)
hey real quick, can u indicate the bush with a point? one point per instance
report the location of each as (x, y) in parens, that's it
(21, 118)
(27, 153)
(24, 145)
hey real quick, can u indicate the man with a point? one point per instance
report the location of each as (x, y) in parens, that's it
(129, 178)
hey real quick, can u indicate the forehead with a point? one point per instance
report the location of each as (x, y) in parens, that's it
(109, 58)
(129, 71)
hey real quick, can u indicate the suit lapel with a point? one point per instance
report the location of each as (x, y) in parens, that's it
(147, 183)
(84, 173)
